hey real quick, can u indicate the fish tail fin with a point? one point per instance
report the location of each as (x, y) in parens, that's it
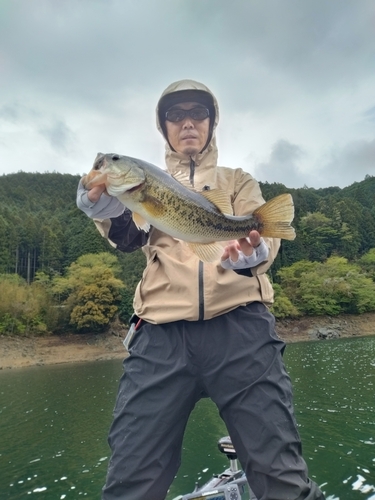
(276, 216)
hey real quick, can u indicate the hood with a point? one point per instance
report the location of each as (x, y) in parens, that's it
(207, 159)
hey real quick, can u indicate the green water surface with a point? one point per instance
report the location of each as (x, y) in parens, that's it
(54, 422)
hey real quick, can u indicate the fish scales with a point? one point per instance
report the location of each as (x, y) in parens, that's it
(198, 213)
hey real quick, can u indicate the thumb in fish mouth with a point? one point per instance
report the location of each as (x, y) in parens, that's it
(94, 178)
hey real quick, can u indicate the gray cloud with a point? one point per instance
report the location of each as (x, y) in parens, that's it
(9, 113)
(340, 167)
(91, 45)
(293, 75)
(283, 165)
(351, 163)
(369, 114)
(59, 136)
(16, 112)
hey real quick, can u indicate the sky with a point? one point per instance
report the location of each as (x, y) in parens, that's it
(295, 82)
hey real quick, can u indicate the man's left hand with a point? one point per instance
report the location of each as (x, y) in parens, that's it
(245, 252)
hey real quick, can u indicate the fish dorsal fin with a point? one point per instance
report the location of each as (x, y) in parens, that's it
(208, 252)
(216, 196)
(140, 222)
(220, 199)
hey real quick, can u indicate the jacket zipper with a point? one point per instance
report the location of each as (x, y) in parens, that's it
(200, 291)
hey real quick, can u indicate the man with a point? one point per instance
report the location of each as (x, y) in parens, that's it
(203, 331)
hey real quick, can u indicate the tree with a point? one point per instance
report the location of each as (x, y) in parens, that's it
(367, 263)
(366, 230)
(319, 235)
(50, 246)
(132, 267)
(94, 306)
(82, 237)
(291, 277)
(283, 307)
(90, 291)
(5, 258)
(332, 287)
(24, 309)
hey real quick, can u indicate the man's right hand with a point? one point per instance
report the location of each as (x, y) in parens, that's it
(95, 193)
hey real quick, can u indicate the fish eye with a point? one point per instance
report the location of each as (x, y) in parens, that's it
(115, 157)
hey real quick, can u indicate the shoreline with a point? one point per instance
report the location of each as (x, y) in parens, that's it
(19, 352)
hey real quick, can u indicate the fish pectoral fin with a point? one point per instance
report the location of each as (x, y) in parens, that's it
(140, 222)
(220, 199)
(153, 206)
(207, 252)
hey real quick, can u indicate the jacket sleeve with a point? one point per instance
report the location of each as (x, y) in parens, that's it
(113, 220)
(248, 197)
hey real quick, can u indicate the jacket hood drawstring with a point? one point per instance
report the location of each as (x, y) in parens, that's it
(192, 171)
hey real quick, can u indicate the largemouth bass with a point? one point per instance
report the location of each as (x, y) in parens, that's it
(201, 219)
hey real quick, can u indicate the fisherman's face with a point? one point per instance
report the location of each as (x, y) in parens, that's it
(188, 136)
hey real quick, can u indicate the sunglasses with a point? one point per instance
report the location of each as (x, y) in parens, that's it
(177, 115)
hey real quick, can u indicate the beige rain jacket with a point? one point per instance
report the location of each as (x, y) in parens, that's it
(176, 285)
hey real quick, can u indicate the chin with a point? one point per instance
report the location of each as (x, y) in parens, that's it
(190, 151)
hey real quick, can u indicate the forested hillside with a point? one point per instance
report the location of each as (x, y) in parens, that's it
(328, 221)
(48, 243)
(41, 228)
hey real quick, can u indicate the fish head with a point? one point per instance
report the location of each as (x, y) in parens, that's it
(118, 173)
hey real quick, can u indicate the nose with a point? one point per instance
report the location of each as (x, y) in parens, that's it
(188, 123)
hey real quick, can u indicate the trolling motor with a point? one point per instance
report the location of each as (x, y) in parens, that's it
(229, 485)
(225, 446)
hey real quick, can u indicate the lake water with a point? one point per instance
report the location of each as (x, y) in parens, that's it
(54, 422)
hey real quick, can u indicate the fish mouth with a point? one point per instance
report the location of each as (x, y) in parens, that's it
(139, 186)
(99, 162)
(124, 181)
(113, 175)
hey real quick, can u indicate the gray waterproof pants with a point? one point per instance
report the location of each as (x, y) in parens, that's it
(236, 360)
